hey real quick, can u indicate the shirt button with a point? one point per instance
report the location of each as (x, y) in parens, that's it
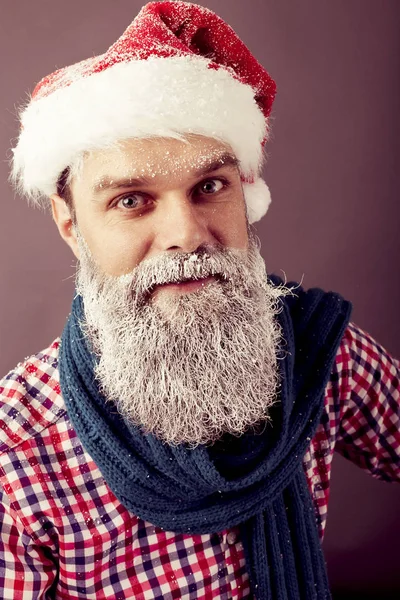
(231, 538)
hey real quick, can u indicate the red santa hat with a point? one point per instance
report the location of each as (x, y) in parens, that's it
(177, 69)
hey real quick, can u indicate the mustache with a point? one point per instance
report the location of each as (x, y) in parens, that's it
(178, 267)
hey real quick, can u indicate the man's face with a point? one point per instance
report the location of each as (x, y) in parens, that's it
(187, 362)
(185, 195)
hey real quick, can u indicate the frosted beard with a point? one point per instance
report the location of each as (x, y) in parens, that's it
(186, 367)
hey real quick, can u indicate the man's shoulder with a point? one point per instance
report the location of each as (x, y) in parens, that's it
(30, 398)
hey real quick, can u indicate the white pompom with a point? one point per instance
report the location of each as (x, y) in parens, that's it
(258, 199)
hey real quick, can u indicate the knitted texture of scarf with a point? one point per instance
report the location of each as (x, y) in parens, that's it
(256, 482)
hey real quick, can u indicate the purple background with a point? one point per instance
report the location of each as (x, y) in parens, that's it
(334, 176)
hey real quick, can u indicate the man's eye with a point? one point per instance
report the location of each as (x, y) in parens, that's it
(211, 186)
(130, 201)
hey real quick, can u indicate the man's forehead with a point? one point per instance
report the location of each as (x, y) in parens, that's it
(148, 159)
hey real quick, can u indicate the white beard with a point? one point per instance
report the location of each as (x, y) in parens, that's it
(186, 367)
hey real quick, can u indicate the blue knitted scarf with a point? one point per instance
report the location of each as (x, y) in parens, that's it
(256, 482)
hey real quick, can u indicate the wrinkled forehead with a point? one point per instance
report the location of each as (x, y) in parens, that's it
(155, 157)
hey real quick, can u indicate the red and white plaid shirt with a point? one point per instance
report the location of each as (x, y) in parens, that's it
(64, 535)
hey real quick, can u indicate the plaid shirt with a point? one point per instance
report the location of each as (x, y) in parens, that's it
(65, 535)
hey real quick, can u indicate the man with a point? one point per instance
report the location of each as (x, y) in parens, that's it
(176, 442)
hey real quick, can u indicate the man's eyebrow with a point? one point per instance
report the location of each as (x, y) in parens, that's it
(225, 160)
(106, 182)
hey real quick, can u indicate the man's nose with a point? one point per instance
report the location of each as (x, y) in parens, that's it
(181, 225)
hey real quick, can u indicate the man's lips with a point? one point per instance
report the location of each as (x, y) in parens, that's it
(186, 286)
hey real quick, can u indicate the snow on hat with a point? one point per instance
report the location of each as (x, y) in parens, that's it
(178, 68)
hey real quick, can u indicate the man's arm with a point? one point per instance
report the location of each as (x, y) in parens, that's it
(369, 432)
(26, 570)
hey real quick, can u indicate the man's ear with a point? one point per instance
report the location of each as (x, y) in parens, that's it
(63, 218)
